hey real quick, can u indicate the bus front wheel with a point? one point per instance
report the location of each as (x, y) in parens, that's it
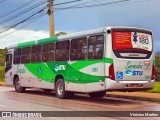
(97, 94)
(18, 88)
(60, 90)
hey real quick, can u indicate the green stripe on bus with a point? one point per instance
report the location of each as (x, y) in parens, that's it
(40, 70)
(47, 40)
(46, 72)
(25, 44)
(42, 41)
(81, 64)
(73, 75)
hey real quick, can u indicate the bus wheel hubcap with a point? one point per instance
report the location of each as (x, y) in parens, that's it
(60, 89)
(18, 85)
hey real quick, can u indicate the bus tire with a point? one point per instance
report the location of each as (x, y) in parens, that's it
(60, 90)
(18, 88)
(97, 94)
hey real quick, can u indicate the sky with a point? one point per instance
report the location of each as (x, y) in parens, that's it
(134, 13)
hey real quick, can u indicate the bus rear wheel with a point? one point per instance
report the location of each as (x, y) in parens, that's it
(18, 88)
(97, 94)
(60, 90)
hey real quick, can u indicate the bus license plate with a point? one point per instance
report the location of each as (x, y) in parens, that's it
(134, 85)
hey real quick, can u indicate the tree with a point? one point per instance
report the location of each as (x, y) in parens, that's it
(60, 33)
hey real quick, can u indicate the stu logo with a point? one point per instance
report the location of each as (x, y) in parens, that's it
(129, 73)
(59, 67)
(137, 73)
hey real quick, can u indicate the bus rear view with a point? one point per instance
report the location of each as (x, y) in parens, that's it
(133, 60)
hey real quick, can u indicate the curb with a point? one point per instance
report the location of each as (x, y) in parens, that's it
(134, 97)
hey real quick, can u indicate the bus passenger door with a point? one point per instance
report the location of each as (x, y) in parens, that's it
(8, 70)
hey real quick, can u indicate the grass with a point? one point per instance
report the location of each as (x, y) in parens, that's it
(1, 67)
(1, 73)
(156, 88)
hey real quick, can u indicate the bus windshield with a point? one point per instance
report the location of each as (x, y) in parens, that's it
(132, 45)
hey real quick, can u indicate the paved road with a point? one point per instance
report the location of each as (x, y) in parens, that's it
(37, 100)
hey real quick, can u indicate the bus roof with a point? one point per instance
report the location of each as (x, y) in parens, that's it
(70, 36)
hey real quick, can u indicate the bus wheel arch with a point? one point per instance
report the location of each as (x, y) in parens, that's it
(58, 77)
(18, 88)
(14, 78)
(61, 92)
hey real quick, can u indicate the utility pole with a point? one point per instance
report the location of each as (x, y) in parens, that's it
(51, 17)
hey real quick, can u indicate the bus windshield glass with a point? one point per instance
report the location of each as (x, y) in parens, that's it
(136, 45)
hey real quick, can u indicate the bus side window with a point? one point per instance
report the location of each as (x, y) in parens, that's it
(33, 56)
(48, 52)
(36, 53)
(8, 64)
(25, 57)
(17, 56)
(95, 47)
(62, 51)
(8, 60)
(78, 49)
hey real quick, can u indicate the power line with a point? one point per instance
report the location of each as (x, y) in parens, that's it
(15, 10)
(29, 9)
(97, 5)
(25, 11)
(22, 21)
(36, 18)
(139, 1)
(67, 2)
(6, 28)
(12, 26)
(22, 12)
(77, 5)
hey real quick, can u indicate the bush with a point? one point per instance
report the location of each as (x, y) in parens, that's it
(157, 66)
(156, 88)
(2, 74)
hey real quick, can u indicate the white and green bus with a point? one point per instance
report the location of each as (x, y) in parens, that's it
(93, 62)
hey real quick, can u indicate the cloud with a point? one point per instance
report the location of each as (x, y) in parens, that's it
(22, 36)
